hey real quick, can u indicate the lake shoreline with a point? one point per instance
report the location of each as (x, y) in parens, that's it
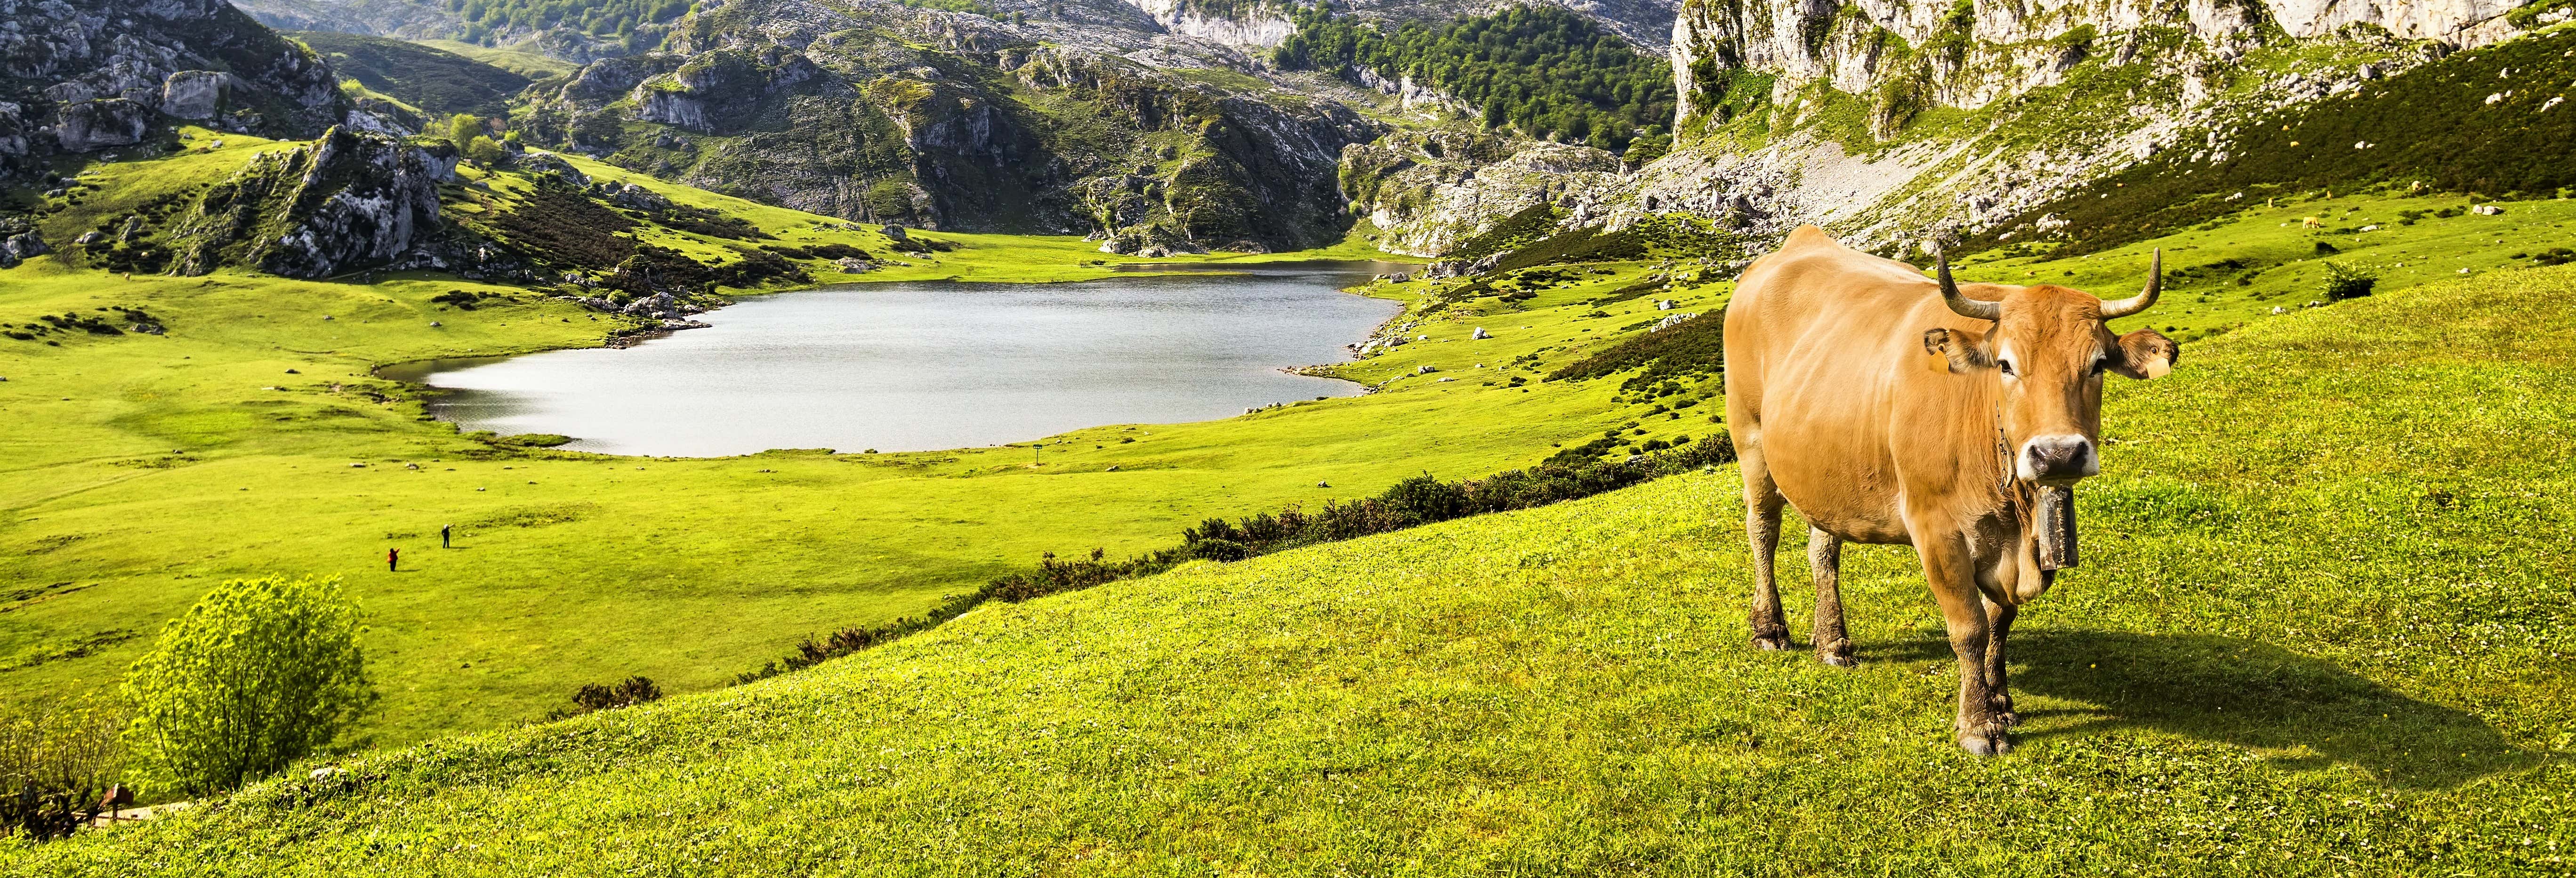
(1015, 361)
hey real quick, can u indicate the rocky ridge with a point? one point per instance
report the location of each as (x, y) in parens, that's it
(79, 76)
(1803, 112)
(956, 121)
(345, 202)
(2184, 74)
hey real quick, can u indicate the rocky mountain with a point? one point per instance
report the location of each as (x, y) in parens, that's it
(1914, 123)
(1064, 118)
(386, 18)
(1910, 125)
(80, 76)
(429, 19)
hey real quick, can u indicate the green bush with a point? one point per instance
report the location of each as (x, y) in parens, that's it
(258, 674)
(56, 762)
(2345, 282)
(592, 697)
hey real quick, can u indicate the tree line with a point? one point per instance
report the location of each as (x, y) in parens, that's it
(1542, 70)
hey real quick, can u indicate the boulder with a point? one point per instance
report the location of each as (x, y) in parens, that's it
(853, 265)
(25, 245)
(1480, 333)
(195, 94)
(91, 125)
(550, 163)
(639, 198)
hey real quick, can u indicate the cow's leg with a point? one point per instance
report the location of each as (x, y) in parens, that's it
(1825, 558)
(1947, 564)
(1999, 689)
(1762, 504)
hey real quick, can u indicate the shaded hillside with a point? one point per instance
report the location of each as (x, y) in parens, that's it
(438, 82)
(1568, 690)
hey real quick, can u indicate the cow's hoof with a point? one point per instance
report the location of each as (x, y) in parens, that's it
(1839, 660)
(2003, 713)
(1994, 744)
(1771, 642)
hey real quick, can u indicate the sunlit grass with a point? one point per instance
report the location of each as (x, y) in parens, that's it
(2320, 630)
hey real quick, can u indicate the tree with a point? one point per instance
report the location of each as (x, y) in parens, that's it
(462, 128)
(258, 674)
(487, 152)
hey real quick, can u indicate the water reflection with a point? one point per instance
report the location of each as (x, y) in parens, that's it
(899, 367)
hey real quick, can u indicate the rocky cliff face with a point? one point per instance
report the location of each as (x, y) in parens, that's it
(945, 120)
(1427, 192)
(1821, 111)
(77, 76)
(1969, 54)
(1252, 26)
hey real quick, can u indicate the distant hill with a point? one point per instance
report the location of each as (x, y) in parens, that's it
(434, 80)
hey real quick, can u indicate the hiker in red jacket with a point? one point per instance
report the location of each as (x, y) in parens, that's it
(393, 560)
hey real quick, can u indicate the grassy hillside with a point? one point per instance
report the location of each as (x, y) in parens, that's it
(2324, 645)
(136, 470)
(434, 80)
(529, 64)
(2242, 266)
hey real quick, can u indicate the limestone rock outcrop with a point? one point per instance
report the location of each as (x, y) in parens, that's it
(1084, 121)
(78, 76)
(1785, 67)
(346, 202)
(1427, 192)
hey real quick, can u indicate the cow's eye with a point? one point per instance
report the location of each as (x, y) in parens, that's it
(2005, 365)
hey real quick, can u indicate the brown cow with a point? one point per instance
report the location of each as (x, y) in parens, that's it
(1897, 410)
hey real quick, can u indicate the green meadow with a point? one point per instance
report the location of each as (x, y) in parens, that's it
(2332, 644)
(252, 438)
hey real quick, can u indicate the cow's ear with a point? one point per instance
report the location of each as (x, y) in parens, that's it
(1965, 348)
(2145, 353)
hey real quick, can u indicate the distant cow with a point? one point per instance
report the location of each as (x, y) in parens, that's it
(1893, 409)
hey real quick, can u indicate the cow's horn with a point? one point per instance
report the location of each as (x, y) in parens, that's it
(1959, 302)
(2144, 300)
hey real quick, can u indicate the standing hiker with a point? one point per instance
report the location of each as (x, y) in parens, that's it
(442, 536)
(393, 560)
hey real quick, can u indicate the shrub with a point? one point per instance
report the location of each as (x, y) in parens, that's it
(1696, 346)
(487, 152)
(1219, 550)
(56, 762)
(258, 674)
(2344, 282)
(626, 693)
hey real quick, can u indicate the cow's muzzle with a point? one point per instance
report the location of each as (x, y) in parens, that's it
(2057, 460)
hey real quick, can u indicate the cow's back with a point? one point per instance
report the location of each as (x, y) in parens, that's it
(1819, 339)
